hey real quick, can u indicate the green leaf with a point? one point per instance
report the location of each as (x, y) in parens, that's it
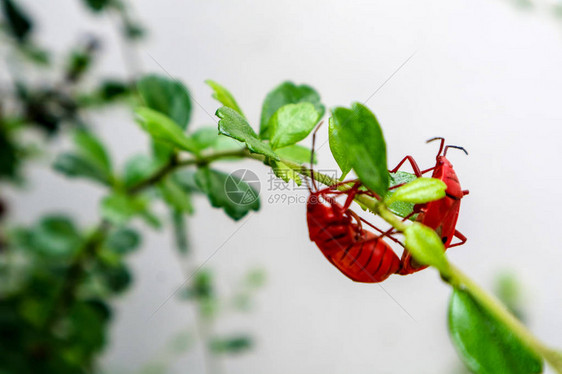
(162, 153)
(400, 177)
(97, 5)
(18, 22)
(485, 344)
(79, 62)
(9, 158)
(167, 96)
(205, 137)
(175, 196)
(231, 345)
(508, 289)
(224, 97)
(362, 136)
(91, 160)
(151, 219)
(119, 208)
(116, 278)
(240, 199)
(31, 310)
(180, 231)
(419, 191)
(132, 30)
(85, 341)
(137, 169)
(203, 285)
(292, 123)
(92, 149)
(232, 124)
(123, 240)
(203, 291)
(155, 367)
(296, 153)
(107, 92)
(163, 129)
(401, 208)
(287, 93)
(426, 246)
(112, 89)
(185, 178)
(35, 54)
(256, 278)
(181, 343)
(225, 143)
(284, 172)
(54, 235)
(76, 166)
(339, 149)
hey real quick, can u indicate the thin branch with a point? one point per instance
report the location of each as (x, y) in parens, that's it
(175, 164)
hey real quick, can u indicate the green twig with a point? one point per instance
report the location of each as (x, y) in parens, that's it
(175, 164)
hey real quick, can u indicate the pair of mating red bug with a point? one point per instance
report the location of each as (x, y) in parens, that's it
(364, 256)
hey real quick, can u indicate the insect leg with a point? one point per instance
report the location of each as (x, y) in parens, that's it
(359, 224)
(413, 163)
(428, 170)
(333, 188)
(312, 155)
(393, 231)
(459, 236)
(387, 234)
(351, 194)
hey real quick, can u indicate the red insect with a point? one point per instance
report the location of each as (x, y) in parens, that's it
(338, 232)
(441, 215)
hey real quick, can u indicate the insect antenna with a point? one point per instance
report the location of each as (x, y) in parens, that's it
(312, 156)
(442, 143)
(456, 147)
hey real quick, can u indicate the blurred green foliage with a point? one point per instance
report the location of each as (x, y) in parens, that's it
(54, 311)
(58, 279)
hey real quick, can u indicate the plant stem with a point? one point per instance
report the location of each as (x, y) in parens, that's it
(174, 164)
(154, 178)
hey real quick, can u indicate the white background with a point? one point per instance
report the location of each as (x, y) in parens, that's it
(485, 75)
